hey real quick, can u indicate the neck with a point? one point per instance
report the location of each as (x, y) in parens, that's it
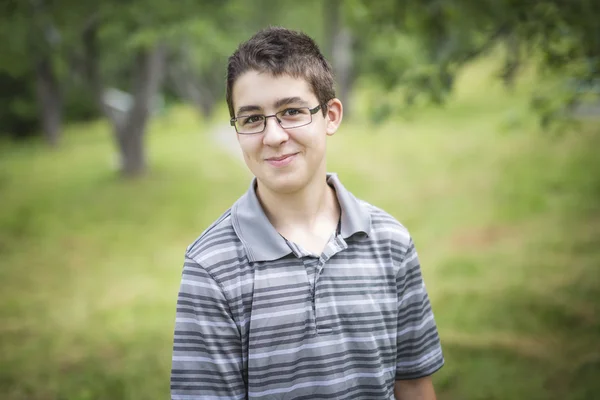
(307, 210)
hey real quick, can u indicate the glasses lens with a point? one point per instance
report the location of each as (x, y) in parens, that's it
(250, 123)
(294, 117)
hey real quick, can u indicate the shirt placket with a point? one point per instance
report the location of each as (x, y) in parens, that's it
(314, 266)
(334, 246)
(309, 262)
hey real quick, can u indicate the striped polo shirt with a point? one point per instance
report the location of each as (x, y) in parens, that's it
(259, 317)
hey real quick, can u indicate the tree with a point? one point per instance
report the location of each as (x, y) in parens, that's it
(31, 44)
(563, 35)
(129, 125)
(338, 48)
(130, 42)
(198, 52)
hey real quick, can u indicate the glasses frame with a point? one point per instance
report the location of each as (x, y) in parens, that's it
(312, 111)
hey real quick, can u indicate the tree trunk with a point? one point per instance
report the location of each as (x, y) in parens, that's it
(41, 42)
(193, 86)
(338, 47)
(148, 71)
(129, 126)
(342, 60)
(188, 88)
(206, 102)
(512, 61)
(131, 150)
(49, 101)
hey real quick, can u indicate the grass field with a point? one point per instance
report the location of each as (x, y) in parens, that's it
(506, 220)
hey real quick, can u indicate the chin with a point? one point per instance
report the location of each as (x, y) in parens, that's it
(284, 183)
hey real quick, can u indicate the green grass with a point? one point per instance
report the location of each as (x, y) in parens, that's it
(506, 220)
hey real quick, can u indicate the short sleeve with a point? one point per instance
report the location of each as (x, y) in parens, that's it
(207, 355)
(419, 351)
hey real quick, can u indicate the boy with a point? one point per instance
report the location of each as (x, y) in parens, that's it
(300, 290)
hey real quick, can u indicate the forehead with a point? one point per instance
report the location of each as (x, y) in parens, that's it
(262, 89)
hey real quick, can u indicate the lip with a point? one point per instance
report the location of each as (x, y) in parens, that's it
(281, 161)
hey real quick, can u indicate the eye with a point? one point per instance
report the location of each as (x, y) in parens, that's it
(250, 119)
(291, 112)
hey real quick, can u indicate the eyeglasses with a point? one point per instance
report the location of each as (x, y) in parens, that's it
(288, 119)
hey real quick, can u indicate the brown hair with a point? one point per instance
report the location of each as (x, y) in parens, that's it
(281, 51)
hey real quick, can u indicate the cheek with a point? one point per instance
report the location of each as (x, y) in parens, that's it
(250, 146)
(314, 139)
(318, 142)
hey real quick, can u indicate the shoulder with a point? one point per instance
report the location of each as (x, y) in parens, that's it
(385, 226)
(216, 246)
(383, 222)
(387, 229)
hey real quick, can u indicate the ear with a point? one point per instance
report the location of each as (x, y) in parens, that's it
(335, 112)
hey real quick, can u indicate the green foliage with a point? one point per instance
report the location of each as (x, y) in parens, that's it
(411, 49)
(18, 110)
(561, 37)
(14, 33)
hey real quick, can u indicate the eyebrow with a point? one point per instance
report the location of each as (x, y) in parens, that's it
(244, 109)
(290, 100)
(279, 103)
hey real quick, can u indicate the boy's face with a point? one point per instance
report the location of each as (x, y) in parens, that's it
(283, 160)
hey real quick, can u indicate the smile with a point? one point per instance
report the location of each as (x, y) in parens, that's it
(281, 161)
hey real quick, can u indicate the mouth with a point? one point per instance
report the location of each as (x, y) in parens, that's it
(281, 161)
(281, 158)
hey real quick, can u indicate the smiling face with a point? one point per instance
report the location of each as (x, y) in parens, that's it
(284, 160)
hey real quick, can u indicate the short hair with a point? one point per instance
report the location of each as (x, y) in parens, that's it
(280, 51)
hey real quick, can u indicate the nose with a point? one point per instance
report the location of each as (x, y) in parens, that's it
(274, 135)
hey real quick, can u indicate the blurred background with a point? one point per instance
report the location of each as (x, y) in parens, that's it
(474, 123)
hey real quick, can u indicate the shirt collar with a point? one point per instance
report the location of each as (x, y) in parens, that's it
(263, 243)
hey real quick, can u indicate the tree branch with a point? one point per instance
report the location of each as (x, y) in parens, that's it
(502, 31)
